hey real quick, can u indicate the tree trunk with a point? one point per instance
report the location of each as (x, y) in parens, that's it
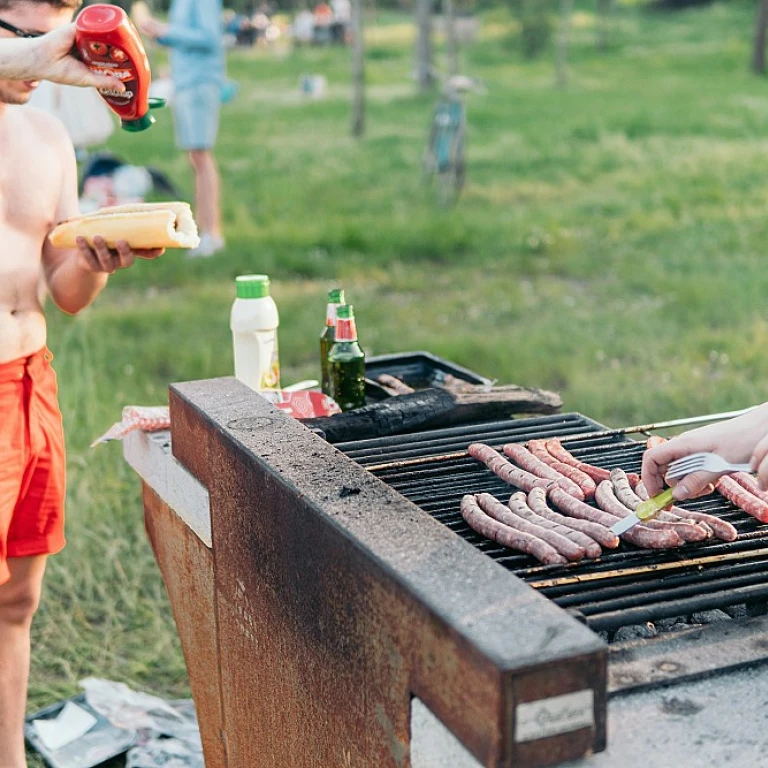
(604, 8)
(424, 44)
(566, 6)
(449, 18)
(758, 56)
(358, 70)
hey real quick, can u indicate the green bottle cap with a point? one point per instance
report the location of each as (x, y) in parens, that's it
(134, 126)
(345, 312)
(336, 296)
(252, 286)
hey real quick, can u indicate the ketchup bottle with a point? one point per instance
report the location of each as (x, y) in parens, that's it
(109, 44)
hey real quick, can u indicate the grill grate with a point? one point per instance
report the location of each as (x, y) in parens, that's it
(627, 586)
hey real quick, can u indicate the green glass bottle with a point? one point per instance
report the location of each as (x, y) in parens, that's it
(346, 362)
(328, 336)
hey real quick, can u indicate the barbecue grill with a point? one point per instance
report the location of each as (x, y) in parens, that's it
(335, 609)
(626, 587)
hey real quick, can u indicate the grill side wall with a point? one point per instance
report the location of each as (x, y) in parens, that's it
(337, 599)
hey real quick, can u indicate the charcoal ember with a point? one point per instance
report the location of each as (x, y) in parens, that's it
(635, 632)
(675, 624)
(757, 608)
(736, 611)
(709, 617)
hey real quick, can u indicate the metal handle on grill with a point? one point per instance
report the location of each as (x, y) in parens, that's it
(637, 429)
(640, 428)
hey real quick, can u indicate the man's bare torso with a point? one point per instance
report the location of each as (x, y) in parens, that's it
(31, 173)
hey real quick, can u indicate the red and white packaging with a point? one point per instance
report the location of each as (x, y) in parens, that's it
(300, 405)
(145, 418)
(303, 404)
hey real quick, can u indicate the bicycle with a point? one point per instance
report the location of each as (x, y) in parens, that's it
(444, 162)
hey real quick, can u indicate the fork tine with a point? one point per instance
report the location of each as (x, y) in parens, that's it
(686, 470)
(689, 461)
(692, 457)
(685, 467)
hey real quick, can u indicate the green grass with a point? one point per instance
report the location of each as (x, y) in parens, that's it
(610, 244)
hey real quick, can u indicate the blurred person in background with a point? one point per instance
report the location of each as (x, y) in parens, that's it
(322, 15)
(38, 189)
(743, 440)
(342, 18)
(195, 37)
(303, 27)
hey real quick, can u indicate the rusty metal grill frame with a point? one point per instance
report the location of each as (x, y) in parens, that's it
(628, 586)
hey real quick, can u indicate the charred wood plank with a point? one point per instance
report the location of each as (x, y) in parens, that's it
(434, 407)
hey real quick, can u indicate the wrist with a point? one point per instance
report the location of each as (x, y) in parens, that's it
(18, 58)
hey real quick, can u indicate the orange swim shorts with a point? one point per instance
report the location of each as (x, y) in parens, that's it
(32, 463)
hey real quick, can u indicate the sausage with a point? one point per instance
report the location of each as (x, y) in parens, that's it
(537, 501)
(742, 498)
(572, 507)
(527, 461)
(623, 489)
(722, 529)
(598, 474)
(745, 480)
(518, 504)
(396, 385)
(503, 514)
(508, 537)
(539, 449)
(686, 530)
(677, 515)
(641, 535)
(504, 469)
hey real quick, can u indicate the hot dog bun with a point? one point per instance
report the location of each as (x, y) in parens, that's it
(141, 225)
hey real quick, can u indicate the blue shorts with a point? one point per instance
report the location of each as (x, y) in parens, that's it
(196, 116)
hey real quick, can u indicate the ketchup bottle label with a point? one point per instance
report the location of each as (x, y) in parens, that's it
(103, 58)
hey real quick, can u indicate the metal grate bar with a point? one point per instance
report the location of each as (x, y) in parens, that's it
(673, 608)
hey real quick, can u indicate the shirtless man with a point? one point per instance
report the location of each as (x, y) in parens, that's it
(38, 188)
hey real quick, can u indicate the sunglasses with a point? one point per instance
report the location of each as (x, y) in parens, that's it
(19, 32)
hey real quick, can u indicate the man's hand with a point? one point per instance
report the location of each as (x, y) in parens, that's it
(741, 440)
(153, 28)
(101, 259)
(50, 57)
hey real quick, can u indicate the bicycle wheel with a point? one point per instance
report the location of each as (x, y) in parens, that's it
(436, 144)
(452, 173)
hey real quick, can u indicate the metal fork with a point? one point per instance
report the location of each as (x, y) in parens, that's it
(703, 462)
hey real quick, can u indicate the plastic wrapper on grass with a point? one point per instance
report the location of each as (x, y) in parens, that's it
(145, 418)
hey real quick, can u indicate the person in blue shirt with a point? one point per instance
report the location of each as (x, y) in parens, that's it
(195, 37)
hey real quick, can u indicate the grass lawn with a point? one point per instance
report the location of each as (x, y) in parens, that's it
(610, 244)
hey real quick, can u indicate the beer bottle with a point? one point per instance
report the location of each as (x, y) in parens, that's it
(328, 336)
(346, 362)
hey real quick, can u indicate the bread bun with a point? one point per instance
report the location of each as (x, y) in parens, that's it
(141, 225)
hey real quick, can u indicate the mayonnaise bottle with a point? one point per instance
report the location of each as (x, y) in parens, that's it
(253, 322)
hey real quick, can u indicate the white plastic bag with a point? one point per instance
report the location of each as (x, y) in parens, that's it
(85, 115)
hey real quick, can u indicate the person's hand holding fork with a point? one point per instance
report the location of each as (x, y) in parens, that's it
(740, 440)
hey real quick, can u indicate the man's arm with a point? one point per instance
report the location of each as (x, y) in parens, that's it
(205, 37)
(49, 58)
(75, 277)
